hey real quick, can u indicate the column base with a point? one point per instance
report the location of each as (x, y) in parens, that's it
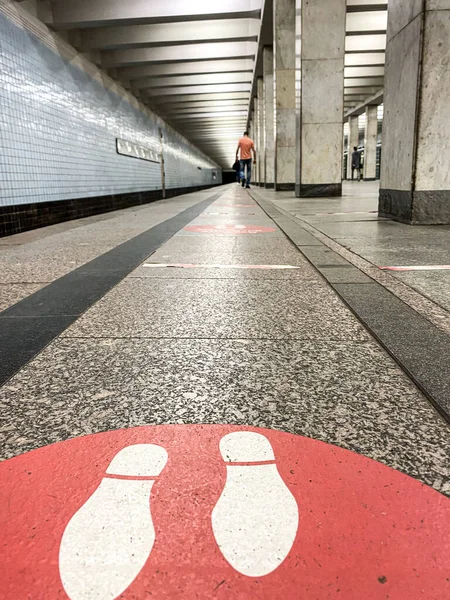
(261, 184)
(269, 186)
(318, 190)
(284, 187)
(427, 207)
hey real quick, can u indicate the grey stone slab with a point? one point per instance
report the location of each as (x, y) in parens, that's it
(213, 232)
(323, 256)
(349, 394)
(357, 217)
(224, 308)
(23, 330)
(33, 264)
(422, 349)
(14, 292)
(69, 295)
(23, 338)
(250, 249)
(344, 275)
(363, 229)
(393, 254)
(241, 220)
(296, 233)
(268, 207)
(304, 272)
(433, 284)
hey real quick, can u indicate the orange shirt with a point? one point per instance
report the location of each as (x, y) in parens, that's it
(245, 145)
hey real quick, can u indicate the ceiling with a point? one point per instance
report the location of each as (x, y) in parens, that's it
(192, 61)
(365, 46)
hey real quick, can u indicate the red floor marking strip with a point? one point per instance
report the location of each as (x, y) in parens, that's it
(418, 268)
(193, 266)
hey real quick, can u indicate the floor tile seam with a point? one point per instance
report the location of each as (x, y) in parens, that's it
(25, 283)
(248, 339)
(355, 342)
(353, 257)
(41, 345)
(434, 399)
(74, 316)
(390, 282)
(104, 217)
(81, 268)
(315, 281)
(299, 248)
(312, 281)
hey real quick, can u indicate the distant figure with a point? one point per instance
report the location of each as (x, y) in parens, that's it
(356, 163)
(246, 147)
(237, 168)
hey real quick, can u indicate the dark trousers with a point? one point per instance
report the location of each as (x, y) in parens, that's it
(246, 163)
(358, 171)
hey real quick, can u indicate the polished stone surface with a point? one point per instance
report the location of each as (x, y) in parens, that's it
(224, 308)
(371, 139)
(208, 270)
(348, 222)
(257, 347)
(243, 249)
(433, 284)
(416, 344)
(43, 255)
(410, 326)
(344, 275)
(14, 292)
(433, 152)
(349, 394)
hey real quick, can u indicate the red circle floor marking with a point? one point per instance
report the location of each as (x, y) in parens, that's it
(229, 229)
(142, 512)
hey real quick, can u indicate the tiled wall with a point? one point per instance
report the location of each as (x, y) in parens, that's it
(59, 125)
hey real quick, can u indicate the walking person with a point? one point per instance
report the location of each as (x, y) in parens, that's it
(246, 147)
(356, 163)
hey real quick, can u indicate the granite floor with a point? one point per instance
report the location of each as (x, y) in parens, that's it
(156, 358)
(352, 221)
(184, 338)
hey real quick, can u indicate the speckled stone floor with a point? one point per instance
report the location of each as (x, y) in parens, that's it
(264, 347)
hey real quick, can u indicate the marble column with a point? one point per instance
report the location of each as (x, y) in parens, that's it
(284, 93)
(269, 148)
(415, 174)
(353, 141)
(320, 33)
(370, 143)
(256, 135)
(261, 153)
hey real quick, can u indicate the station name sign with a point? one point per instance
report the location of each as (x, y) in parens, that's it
(135, 151)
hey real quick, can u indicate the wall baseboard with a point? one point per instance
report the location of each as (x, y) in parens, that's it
(23, 217)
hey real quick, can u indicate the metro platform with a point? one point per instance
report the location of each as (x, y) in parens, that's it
(213, 397)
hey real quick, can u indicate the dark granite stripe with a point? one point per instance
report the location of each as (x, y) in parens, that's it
(421, 349)
(28, 326)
